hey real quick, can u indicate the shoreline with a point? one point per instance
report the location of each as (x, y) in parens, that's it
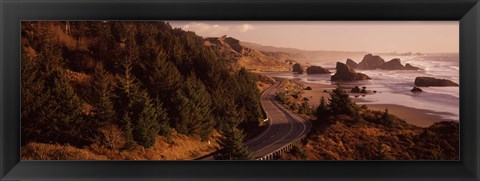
(414, 116)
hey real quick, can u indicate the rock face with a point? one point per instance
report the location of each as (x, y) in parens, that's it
(430, 81)
(393, 64)
(410, 67)
(364, 90)
(298, 68)
(352, 63)
(317, 70)
(416, 89)
(356, 89)
(345, 73)
(370, 61)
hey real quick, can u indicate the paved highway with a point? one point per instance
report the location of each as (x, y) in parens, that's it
(284, 126)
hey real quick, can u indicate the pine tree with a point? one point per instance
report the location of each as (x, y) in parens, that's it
(322, 109)
(248, 99)
(386, 118)
(126, 91)
(162, 119)
(232, 147)
(128, 131)
(146, 128)
(34, 98)
(144, 115)
(305, 108)
(59, 115)
(102, 91)
(340, 102)
(193, 114)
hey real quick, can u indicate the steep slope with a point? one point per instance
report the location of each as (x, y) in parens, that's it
(147, 79)
(239, 56)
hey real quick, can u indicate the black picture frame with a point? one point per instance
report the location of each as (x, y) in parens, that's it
(465, 11)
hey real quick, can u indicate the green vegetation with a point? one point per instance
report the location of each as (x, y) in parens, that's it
(233, 149)
(322, 110)
(340, 102)
(146, 78)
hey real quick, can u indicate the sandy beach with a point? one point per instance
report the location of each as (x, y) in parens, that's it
(418, 117)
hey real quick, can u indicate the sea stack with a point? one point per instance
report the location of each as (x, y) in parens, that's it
(393, 64)
(352, 63)
(298, 68)
(345, 73)
(317, 70)
(434, 82)
(370, 61)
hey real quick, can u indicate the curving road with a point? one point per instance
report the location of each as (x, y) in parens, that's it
(284, 126)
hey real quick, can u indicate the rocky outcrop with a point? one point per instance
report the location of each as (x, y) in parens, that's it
(356, 89)
(345, 73)
(364, 90)
(370, 61)
(317, 70)
(416, 89)
(410, 67)
(352, 63)
(393, 64)
(430, 81)
(297, 68)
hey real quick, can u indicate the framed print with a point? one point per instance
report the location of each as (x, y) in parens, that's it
(248, 90)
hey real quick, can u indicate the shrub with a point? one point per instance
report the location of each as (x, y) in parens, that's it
(111, 137)
(281, 97)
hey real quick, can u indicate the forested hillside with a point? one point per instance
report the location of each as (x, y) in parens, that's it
(141, 81)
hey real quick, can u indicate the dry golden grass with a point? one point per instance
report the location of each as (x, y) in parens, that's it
(179, 147)
(42, 151)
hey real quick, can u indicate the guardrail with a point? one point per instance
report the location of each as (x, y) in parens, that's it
(276, 154)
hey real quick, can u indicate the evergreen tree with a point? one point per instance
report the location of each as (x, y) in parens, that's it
(248, 98)
(386, 118)
(193, 114)
(102, 91)
(163, 79)
(147, 126)
(322, 109)
(305, 108)
(146, 117)
(59, 115)
(34, 98)
(340, 102)
(128, 131)
(232, 147)
(162, 119)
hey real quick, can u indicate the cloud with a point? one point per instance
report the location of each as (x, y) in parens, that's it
(245, 27)
(216, 30)
(205, 29)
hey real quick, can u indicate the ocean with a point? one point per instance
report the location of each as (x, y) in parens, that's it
(393, 86)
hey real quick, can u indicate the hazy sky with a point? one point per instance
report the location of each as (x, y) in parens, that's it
(375, 37)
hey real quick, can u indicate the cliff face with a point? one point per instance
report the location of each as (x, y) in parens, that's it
(239, 56)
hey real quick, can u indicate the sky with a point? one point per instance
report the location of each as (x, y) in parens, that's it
(370, 36)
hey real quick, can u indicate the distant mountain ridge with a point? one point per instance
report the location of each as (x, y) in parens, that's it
(305, 56)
